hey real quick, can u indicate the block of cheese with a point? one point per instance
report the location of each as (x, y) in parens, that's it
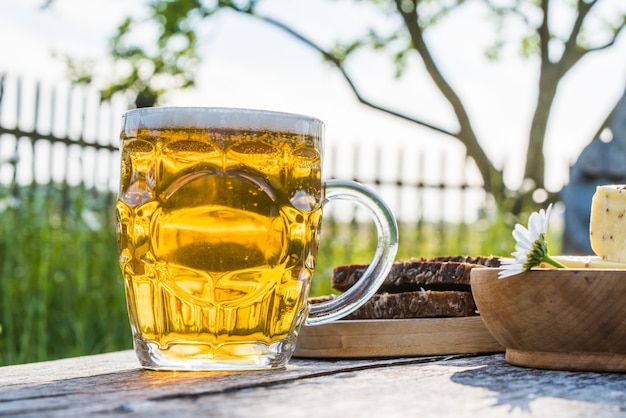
(607, 225)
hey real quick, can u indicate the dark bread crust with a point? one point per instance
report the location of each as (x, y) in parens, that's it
(410, 276)
(417, 288)
(419, 304)
(490, 261)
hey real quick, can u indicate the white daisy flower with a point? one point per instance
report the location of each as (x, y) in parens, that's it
(531, 247)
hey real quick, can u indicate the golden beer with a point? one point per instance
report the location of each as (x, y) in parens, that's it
(217, 234)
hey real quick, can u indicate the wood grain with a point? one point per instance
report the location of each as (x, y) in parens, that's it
(396, 337)
(570, 319)
(442, 386)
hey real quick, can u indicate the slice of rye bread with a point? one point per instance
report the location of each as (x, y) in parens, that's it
(418, 304)
(490, 261)
(418, 288)
(415, 274)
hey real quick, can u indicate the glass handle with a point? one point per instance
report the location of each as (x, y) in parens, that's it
(368, 284)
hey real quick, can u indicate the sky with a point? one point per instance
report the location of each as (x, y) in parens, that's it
(248, 64)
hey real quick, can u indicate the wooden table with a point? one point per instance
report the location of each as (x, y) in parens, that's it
(455, 386)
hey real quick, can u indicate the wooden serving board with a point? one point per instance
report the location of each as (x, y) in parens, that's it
(396, 338)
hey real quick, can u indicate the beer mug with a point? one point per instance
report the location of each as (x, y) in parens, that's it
(218, 223)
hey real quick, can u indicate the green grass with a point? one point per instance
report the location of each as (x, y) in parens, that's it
(61, 291)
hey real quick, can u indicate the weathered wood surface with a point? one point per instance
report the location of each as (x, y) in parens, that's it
(455, 386)
(396, 338)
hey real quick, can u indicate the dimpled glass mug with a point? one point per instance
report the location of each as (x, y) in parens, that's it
(218, 223)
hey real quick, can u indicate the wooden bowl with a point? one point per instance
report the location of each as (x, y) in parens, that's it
(561, 319)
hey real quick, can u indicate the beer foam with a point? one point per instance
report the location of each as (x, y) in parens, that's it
(221, 118)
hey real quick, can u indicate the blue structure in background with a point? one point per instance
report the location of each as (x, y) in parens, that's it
(599, 163)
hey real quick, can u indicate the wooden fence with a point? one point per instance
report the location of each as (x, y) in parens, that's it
(57, 134)
(62, 134)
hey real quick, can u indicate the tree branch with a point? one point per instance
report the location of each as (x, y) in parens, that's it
(502, 10)
(544, 34)
(572, 53)
(338, 63)
(466, 133)
(612, 41)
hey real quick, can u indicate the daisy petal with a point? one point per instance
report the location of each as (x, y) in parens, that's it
(522, 247)
(530, 245)
(508, 272)
(547, 219)
(535, 224)
(507, 262)
(522, 234)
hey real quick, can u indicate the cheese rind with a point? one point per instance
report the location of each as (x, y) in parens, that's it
(607, 225)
